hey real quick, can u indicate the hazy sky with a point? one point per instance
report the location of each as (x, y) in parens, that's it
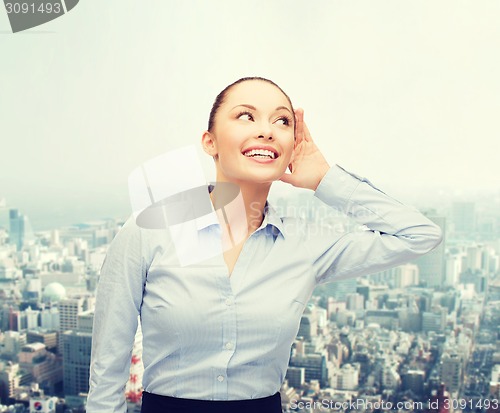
(406, 93)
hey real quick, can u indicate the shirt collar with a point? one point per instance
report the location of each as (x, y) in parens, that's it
(271, 219)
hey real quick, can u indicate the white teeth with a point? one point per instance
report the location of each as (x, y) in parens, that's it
(260, 152)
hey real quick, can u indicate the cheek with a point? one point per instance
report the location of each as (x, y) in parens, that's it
(288, 149)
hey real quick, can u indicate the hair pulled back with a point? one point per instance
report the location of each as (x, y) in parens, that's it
(219, 100)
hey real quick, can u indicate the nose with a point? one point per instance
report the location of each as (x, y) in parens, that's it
(266, 131)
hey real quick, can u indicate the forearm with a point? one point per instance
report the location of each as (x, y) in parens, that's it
(396, 232)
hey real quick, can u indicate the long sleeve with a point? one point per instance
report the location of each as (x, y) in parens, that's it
(118, 301)
(396, 233)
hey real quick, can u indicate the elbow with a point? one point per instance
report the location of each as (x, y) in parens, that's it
(431, 238)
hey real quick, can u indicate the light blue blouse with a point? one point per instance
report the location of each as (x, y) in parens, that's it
(210, 336)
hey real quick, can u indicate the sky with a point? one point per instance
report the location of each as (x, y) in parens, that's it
(405, 93)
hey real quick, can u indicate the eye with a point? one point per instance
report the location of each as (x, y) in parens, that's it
(245, 116)
(283, 120)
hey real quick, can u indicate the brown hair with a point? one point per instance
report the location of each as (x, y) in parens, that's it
(219, 100)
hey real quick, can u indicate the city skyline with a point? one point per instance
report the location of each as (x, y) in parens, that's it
(419, 332)
(404, 94)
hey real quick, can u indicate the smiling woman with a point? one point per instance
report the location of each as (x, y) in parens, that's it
(251, 115)
(217, 334)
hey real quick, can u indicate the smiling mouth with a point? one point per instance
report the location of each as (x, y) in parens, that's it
(261, 154)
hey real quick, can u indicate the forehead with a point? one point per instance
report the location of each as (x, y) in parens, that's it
(262, 95)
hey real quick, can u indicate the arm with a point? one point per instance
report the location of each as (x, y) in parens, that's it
(396, 233)
(118, 300)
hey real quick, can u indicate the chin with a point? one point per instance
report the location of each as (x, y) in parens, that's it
(263, 178)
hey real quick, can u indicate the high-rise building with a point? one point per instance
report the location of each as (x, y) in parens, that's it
(434, 320)
(32, 317)
(464, 217)
(414, 380)
(453, 270)
(432, 266)
(76, 357)
(69, 310)
(450, 371)
(308, 323)
(20, 231)
(355, 302)
(9, 380)
(50, 319)
(473, 259)
(314, 365)
(296, 376)
(406, 275)
(13, 342)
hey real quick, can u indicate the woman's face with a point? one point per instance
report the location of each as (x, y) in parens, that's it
(253, 134)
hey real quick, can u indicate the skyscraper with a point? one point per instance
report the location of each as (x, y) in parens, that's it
(432, 266)
(77, 345)
(450, 371)
(464, 217)
(69, 310)
(20, 231)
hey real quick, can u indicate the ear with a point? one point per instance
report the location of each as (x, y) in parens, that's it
(209, 144)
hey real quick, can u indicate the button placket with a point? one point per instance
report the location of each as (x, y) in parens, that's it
(228, 319)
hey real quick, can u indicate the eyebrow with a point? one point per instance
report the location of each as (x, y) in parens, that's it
(254, 108)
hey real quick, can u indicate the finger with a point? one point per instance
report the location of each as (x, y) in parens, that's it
(306, 133)
(299, 126)
(292, 158)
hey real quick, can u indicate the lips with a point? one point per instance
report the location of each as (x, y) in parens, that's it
(261, 152)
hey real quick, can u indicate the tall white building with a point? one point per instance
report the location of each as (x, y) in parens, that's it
(50, 319)
(32, 318)
(453, 270)
(406, 275)
(13, 342)
(9, 380)
(69, 310)
(450, 371)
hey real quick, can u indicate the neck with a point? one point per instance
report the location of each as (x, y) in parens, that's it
(245, 214)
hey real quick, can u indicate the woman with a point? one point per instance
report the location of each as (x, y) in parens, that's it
(217, 334)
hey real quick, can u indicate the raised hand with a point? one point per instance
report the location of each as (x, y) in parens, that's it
(308, 165)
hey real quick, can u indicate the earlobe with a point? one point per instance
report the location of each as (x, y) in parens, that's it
(209, 144)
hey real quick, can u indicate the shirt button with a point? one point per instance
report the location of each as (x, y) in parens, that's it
(229, 301)
(229, 345)
(220, 378)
